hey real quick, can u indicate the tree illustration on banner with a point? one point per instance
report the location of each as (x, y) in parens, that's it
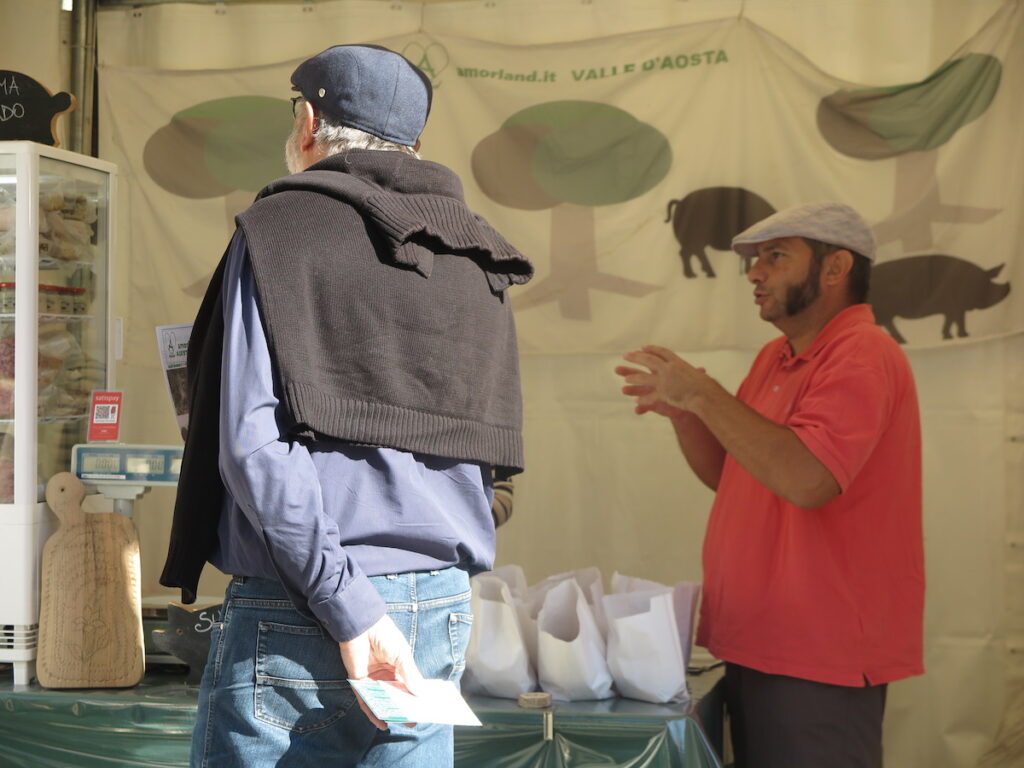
(230, 148)
(572, 157)
(911, 122)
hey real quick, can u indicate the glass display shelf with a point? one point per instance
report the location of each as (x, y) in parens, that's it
(48, 318)
(53, 419)
(56, 239)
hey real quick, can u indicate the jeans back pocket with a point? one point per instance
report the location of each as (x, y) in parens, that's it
(301, 684)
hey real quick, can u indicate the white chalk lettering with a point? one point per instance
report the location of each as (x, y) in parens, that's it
(9, 86)
(206, 621)
(11, 111)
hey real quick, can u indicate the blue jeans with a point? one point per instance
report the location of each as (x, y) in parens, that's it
(274, 692)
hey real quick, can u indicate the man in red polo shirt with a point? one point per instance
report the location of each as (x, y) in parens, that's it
(813, 556)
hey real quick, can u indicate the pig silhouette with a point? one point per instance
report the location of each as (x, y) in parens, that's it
(713, 216)
(919, 286)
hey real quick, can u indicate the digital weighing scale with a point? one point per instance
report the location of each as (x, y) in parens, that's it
(124, 472)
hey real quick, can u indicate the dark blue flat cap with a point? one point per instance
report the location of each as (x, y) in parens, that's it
(367, 87)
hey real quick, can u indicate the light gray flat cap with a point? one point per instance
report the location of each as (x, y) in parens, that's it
(833, 223)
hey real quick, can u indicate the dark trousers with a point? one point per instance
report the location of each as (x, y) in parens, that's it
(786, 722)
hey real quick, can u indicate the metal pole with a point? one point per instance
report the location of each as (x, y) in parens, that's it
(83, 72)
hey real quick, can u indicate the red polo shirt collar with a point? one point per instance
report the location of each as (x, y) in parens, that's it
(849, 317)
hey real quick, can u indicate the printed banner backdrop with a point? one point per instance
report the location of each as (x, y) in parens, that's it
(623, 166)
(592, 164)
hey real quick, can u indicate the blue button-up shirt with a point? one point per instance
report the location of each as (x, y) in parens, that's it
(322, 518)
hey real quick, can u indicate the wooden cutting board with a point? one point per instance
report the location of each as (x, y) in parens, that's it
(90, 617)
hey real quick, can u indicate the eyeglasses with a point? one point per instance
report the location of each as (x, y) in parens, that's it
(295, 104)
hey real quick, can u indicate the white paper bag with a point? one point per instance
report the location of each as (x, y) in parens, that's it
(571, 661)
(592, 586)
(497, 657)
(590, 583)
(685, 596)
(649, 637)
(513, 576)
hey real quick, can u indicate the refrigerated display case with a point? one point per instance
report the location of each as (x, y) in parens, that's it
(56, 233)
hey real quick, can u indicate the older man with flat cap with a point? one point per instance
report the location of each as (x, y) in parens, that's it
(354, 388)
(813, 556)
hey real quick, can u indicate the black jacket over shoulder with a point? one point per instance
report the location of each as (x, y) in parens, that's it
(384, 302)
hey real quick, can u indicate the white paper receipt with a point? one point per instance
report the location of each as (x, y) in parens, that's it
(438, 702)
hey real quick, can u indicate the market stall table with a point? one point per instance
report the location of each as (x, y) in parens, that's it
(151, 724)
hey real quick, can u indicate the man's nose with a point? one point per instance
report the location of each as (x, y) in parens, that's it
(756, 272)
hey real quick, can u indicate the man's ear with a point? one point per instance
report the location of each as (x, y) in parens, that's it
(837, 266)
(416, 146)
(309, 119)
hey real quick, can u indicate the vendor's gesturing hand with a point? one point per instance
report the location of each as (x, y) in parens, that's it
(381, 653)
(669, 384)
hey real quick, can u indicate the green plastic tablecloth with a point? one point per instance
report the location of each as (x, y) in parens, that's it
(613, 732)
(148, 725)
(151, 725)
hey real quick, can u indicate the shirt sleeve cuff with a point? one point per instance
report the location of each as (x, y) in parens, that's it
(829, 460)
(350, 612)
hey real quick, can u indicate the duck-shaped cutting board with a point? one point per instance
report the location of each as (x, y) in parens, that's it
(90, 617)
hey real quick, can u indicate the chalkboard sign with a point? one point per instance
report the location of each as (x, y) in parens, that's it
(27, 110)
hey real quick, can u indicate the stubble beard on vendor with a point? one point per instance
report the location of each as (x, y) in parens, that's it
(800, 297)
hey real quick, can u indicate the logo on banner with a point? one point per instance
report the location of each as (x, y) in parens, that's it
(431, 58)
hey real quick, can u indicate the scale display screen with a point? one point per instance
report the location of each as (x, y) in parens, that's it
(105, 463)
(146, 465)
(129, 464)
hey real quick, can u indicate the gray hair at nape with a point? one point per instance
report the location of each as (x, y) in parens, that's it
(333, 139)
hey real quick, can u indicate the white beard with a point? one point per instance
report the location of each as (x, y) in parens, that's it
(292, 153)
